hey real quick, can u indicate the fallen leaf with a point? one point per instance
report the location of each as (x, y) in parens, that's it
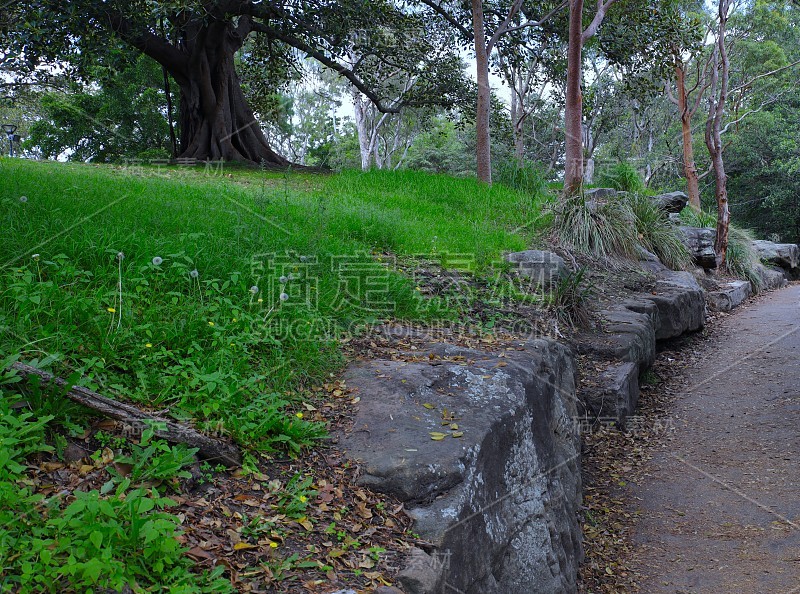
(241, 546)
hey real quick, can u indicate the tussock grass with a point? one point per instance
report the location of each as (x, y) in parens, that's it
(616, 227)
(657, 234)
(598, 228)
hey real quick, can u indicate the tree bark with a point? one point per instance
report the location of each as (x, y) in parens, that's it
(216, 121)
(208, 447)
(484, 148)
(360, 113)
(686, 113)
(573, 161)
(713, 135)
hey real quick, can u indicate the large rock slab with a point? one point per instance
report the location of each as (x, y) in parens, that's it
(672, 202)
(545, 268)
(498, 503)
(700, 241)
(680, 302)
(730, 295)
(771, 278)
(785, 255)
(627, 334)
(614, 393)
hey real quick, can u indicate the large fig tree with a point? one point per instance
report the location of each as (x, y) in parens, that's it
(198, 41)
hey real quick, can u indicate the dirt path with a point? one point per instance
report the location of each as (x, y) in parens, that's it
(720, 506)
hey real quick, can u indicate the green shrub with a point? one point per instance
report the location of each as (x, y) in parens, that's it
(528, 178)
(598, 228)
(568, 299)
(623, 176)
(741, 259)
(658, 234)
(154, 460)
(94, 543)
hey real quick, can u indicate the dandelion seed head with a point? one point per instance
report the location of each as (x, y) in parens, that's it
(303, 258)
(120, 256)
(283, 280)
(254, 289)
(157, 261)
(194, 273)
(35, 256)
(284, 297)
(23, 199)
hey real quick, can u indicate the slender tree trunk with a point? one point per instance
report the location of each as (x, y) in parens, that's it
(484, 146)
(360, 113)
(573, 162)
(713, 136)
(686, 112)
(517, 123)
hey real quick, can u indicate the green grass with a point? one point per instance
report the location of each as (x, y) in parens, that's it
(209, 347)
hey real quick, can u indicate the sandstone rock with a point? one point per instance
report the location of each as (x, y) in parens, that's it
(785, 255)
(600, 194)
(648, 261)
(499, 502)
(672, 202)
(421, 574)
(680, 302)
(700, 242)
(545, 268)
(628, 335)
(771, 278)
(730, 295)
(615, 393)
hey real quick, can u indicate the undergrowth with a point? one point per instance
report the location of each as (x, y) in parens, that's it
(87, 541)
(619, 226)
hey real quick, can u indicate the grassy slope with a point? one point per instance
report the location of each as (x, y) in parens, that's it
(207, 348)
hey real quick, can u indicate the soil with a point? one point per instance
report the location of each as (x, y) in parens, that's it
(717, 505)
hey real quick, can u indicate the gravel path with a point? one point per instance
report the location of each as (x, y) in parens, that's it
(720, 506)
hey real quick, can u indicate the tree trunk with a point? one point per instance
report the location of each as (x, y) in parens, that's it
(713, 136)
(518, 123)
(573, 108)
(216, 121)
(689, 167)
(360, 113)
(483, 149)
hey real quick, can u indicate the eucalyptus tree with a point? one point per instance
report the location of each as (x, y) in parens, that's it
(491, 26)
(197, 42)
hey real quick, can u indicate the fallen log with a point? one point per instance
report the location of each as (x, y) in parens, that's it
(208, 447)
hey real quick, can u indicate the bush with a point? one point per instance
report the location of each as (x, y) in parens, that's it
(568, 299)
(94, 543)
(741, 259)
(528, 178)
(623, 176)
(597, 228)
(658, 234)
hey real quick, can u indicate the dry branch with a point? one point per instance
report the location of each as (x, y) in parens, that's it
(208, 447)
